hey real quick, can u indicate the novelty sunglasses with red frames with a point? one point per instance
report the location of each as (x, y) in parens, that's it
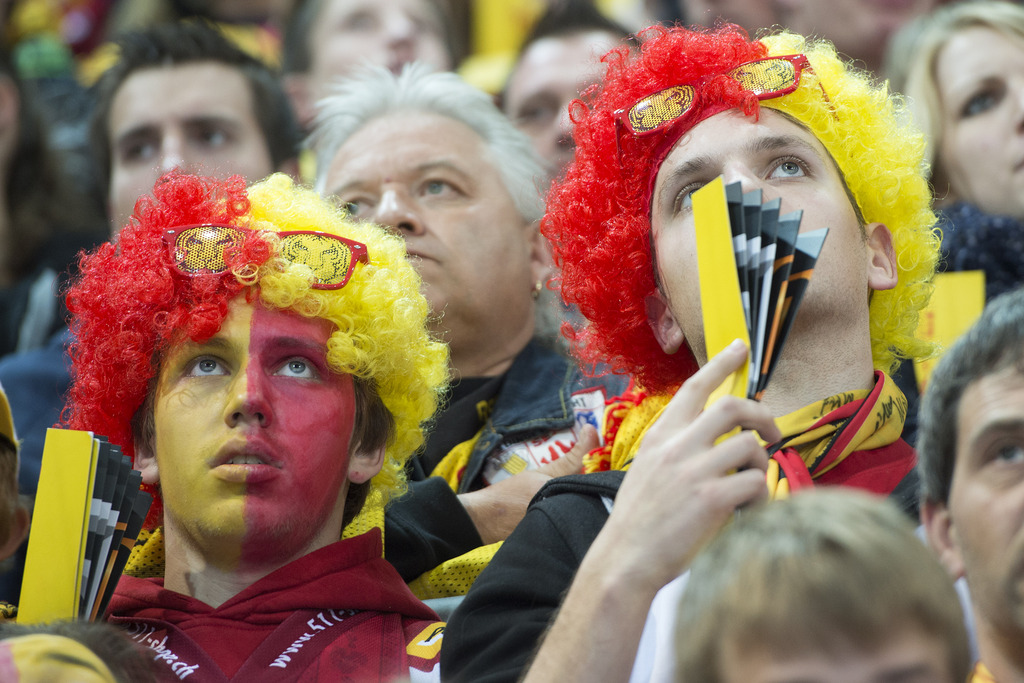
(196, 249)
(766, 78)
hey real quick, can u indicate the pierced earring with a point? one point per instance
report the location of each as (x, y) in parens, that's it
(537, 287)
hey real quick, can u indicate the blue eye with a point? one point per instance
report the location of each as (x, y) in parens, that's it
(206, 367)
(788, 168)
(436, 187)
(298, 367)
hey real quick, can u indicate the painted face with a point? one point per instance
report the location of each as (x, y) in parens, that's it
(909, 656)
(986, 506)
(208, 127)
(781, 158)
(551, 74)
(433, 181)
(41, 657)
(979, 75)
(390, 33)
(252, 438)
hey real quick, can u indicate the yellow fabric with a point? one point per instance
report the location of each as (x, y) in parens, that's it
(147, 558)
(455, 576)
(454, 464)
(8, 612)
(625, 422)
(371, 516)
(626, 433)
(981, 674)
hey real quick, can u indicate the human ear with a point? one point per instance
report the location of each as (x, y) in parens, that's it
(663, 323)
(882, 270)
(363, 465)
(942, 537)
(145, 462)
(541, 261)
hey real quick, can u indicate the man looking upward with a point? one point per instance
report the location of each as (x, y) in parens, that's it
(266, 364)
(783, 115)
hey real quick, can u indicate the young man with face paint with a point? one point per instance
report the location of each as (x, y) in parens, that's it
(267, 365)
(823, 138)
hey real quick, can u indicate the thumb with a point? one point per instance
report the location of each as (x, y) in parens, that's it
(572, 462)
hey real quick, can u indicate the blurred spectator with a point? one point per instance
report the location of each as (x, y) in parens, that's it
(828, 582)
(558, 60)
(326, 38)
(972, 478)
(44, 219)
(965, 81)
(72, 651)
(860, 29)
(228, 114)
(752, 15)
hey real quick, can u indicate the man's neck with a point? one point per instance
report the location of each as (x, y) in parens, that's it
(186, 571)
(484, 362)
(806, 375)
(216, 573)
(1002, 656)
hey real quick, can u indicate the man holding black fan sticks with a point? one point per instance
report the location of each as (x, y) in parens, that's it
(782, 115)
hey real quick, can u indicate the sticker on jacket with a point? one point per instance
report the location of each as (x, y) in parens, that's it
(588, 409)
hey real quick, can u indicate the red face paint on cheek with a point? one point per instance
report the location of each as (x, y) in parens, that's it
(300, 416)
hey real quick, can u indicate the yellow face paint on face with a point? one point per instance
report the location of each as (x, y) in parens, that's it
(44, 658)
(252, 430)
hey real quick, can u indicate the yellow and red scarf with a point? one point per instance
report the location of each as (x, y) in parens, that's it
(825, 442)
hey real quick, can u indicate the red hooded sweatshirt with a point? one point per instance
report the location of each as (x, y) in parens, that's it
(341, 613)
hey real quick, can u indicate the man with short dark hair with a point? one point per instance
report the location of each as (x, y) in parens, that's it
(971, 460)
(181, 95)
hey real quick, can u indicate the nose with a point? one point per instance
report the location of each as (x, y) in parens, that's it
(399, 27)
(248, 403)
(395, 211)
(172, 154)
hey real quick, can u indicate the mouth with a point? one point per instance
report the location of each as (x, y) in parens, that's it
(414, 255)
(246, 464)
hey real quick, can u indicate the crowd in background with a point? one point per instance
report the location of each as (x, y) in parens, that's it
(101, 99)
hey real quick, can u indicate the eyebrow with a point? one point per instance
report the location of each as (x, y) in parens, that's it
(998, 426)
(420, 169)
(298, 344)
(149, 128)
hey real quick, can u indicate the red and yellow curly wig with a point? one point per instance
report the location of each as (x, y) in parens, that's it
(130, 304)
(598, 218)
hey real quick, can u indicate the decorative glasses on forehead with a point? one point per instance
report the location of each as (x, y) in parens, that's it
(766, 78)
(196, 249)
